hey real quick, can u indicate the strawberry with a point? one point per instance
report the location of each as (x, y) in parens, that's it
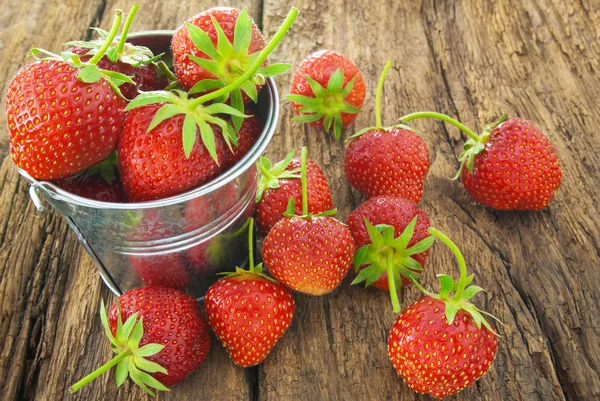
(157, 152)
(308, 253)
(247, 136)
(215, 48)
(136, 62)
(511, 165)
(390, 161)
(391, 235)
(249, 311)
(94, 187)
(153, 163)
(280, 182)
(442, 343)
(64, 115)
(159, 337)
(327, 89)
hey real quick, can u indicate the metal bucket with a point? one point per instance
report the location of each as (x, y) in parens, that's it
(181, 241)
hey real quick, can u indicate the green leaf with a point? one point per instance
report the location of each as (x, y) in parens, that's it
(363, 274)
(471, 162)
(307, 118)
(291, 207)
(208, 139)
(205, 85)
(208, 65)
(374, 275)
(89, 74)
(118, 78)
(112, 54)
(305, 101)
(242, 34)
(250, 89)
(412, 264)
(222, 108)
(359, 256)
(361, 132)
(349, 109)
(149, 350)
(147, 98)
(104, 320)
(202, 41)
(349, 86)
(337, 127)
(136, 335)
(468, 281)
(327, 120)
(101, 32)
(402, 241)
(446, 283)
(471, 291)
(420, 246)
(451, 310)
(122, 371)
(336, 81)
(146, 378)
(316, 87)
(274, 69)
(189, 135)
(223, 45)
(125, 332)
(148, 366)
(373, 233)
(167, 111)
(238, 104)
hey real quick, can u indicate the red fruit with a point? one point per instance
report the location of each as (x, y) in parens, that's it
(327, 96)
(153, 165)
(166, 270)
(145, 76)
(390, 162)
(221, 62)
(282, 181)
(248, 313)
(247, 136)
(310, 255)
(518, 169)
(435, 357)
(395, 212)
(94, 187)
(59, 125)
(171, 318)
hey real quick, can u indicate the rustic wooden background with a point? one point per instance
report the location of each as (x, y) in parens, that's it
(472, 59)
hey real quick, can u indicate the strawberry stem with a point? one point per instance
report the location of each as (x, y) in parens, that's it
(378, 95)
(250, 246)
(125, 31)
(285, 26)
(392, 282)
(102, 369)
(442, 117)
(304, 183)
(111, 35)
(462, 281)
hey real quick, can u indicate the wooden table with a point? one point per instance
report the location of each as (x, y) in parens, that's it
(471, 59)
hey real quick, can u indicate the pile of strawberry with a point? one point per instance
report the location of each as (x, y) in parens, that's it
(67, 114)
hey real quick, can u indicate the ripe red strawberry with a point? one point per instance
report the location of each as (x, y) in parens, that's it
(280, 182)
(389, 161)
(125, 58)
(154, 165)
(248, 134)
(308, 253)
(94, 187)
(376, 226)
(510, 166)
(63, 116)
(159, 336)
(442, 343)
(327, 89)
(157, 156)
(249, 312)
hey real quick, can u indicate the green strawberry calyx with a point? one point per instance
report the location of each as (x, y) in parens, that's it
(456, 295)
(270, 175)
(119, 50)
(472, 147)
(378, 124)
(88, 70)
(327, 103)
(131, 358)
(386, 254)
(201, 117)
(291, 206)
(229, 61)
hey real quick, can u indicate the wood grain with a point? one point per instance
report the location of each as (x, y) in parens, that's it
(472, 60)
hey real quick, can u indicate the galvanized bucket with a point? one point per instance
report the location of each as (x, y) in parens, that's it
(181, 241)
